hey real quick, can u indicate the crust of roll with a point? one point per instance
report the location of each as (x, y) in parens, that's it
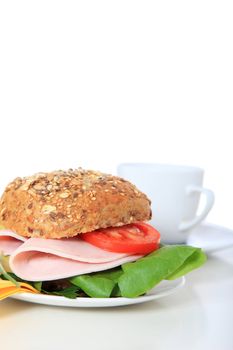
(63, 204)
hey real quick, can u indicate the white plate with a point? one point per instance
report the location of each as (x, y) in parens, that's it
(211, 238)
(161, 290)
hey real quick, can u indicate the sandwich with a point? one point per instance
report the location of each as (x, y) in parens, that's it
(83, 233)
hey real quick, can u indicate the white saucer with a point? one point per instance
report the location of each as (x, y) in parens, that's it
(161, 290)
(211, 238)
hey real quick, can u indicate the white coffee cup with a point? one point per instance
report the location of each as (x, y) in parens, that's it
(175, 192)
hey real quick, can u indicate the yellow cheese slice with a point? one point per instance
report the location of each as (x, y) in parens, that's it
(8, 288)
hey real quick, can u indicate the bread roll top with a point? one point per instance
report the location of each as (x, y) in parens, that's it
(63, 204)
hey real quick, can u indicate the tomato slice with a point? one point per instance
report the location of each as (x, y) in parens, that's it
(137, 238)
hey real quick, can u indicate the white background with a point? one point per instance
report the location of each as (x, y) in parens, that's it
(95, 83)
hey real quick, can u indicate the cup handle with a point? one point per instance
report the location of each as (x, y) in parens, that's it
(209, 204)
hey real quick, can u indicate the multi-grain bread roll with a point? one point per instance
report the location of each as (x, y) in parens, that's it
(65, 203)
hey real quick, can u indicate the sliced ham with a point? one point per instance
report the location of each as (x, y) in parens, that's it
(37, 259)
(10, 241)
(49, 259)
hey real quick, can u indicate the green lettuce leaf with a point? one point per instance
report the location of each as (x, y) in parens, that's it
(168, 262)
(113, 275)
(38, 286)
(94, 286)
(3, 273)
(69, 292)
(136, 278)
(195, 260)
